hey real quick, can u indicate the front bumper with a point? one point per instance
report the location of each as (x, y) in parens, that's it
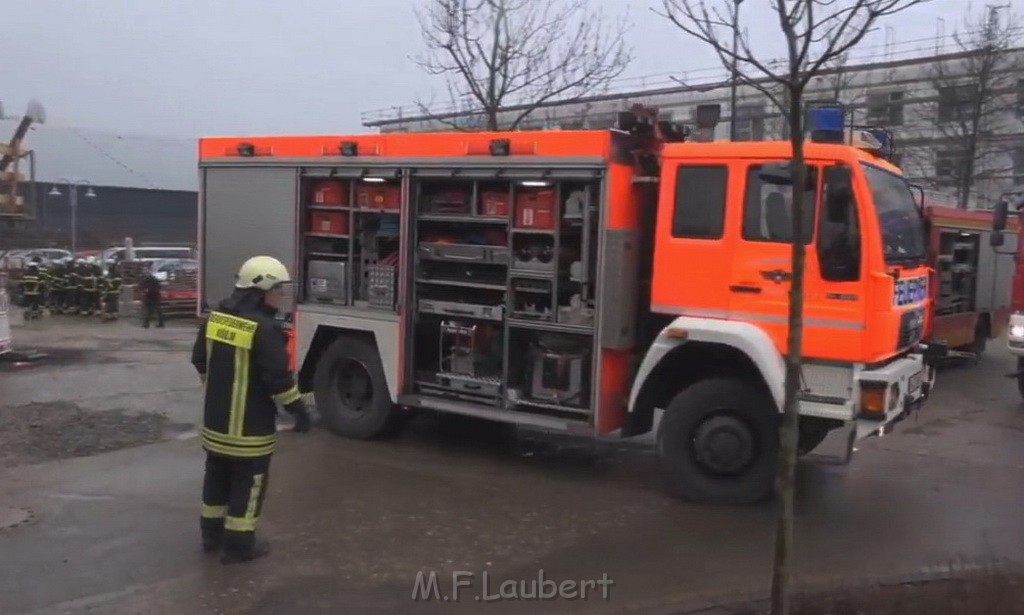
(908, 381)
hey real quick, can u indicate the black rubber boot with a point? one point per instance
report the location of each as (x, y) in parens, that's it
(259, 549)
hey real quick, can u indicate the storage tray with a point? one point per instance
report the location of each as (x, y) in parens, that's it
(464, 253)
(475, 385)
(455, 308)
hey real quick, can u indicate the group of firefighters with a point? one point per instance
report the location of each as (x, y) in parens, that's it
(76, 287)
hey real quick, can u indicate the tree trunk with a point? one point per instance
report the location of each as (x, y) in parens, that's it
(785, 479)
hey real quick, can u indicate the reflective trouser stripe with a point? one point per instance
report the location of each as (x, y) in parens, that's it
(288, 396)
(239, 391)
(238, 446)
(213, 512)
(247, 523)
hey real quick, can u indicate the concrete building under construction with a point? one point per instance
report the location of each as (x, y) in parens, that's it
(923, 91)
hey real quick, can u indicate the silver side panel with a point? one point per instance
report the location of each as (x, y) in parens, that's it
(618, 288)
(995, 274)
(384, 327)
(246, 212)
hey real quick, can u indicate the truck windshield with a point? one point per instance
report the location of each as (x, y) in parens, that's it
(898, 216)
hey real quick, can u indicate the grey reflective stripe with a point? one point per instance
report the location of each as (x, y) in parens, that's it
(752, 316)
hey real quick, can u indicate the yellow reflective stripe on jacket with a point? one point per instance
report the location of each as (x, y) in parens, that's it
(288, 396)
(239, 392)
(233, 451)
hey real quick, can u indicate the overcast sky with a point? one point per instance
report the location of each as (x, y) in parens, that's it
(206, 67)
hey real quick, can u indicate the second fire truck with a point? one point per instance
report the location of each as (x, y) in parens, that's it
(584, 282)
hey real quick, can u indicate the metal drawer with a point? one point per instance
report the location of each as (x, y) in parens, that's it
(327, 282)
(456, 308)
(381, 285)
(464, 253)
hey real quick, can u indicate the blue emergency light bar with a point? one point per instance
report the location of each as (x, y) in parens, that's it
(826, 122)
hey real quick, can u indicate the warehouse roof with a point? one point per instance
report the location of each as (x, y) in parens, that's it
(109, 158)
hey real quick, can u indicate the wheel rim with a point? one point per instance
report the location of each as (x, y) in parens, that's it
(355, 387)
(724, 445)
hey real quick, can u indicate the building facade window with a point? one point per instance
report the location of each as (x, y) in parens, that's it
(749, 121)
(950, 166)
(1018, 166)
(885, 108)
(956, 102)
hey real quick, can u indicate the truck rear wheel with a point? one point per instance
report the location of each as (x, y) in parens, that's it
(351, 391)
(718, 442)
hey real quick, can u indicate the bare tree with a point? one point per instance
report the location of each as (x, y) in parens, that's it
(502, 59)
(974, 102)
(816, 32)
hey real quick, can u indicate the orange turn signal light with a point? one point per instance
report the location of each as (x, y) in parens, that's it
(872, 399)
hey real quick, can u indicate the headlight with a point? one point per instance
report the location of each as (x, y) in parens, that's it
(1017, 331)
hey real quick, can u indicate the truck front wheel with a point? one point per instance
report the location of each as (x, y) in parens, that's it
(351, 390)
(1020, 375)
(718, 442)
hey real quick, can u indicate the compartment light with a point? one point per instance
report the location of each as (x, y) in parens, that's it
(532, 183)
(374, 180)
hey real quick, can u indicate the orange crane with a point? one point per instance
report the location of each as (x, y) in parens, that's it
(12, 208)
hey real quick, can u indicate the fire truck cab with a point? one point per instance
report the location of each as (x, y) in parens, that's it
(583, 282)
(1013, 205)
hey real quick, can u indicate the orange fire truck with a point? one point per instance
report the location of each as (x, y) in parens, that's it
(583, 281)
(972, 281)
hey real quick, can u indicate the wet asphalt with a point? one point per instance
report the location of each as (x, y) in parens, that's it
(352, 524)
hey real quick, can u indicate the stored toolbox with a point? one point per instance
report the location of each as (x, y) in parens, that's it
(326, 281)
(329, 222)
(468, 253)
(446, 202)
(382, 283)
(330, 193)
(457, 308)
(494, 204)
(379, 197)
(535, 209)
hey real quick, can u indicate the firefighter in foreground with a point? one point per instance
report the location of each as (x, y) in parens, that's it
(241, 356)
(32, 289)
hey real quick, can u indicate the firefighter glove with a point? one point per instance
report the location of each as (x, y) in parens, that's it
(297, 408)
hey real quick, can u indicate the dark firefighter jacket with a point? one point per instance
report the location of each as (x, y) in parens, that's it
(243, 356)
(31, 284)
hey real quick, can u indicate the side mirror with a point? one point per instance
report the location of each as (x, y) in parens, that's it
(999, 215)
(996, 239)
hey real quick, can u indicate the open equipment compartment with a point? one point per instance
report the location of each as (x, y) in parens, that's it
(503, 283)
(350, 237)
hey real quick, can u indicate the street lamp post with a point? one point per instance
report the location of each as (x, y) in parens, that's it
(73, 200)
(735, 71)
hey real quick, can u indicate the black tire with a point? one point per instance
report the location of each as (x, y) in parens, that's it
(1020, 376)
(734, 412)
(351, 391)
(980, 337)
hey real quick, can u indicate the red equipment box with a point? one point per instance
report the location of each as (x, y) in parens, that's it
(535, 209)
(328, 222)
(379, 197)
(330, 193)
(494, 203)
